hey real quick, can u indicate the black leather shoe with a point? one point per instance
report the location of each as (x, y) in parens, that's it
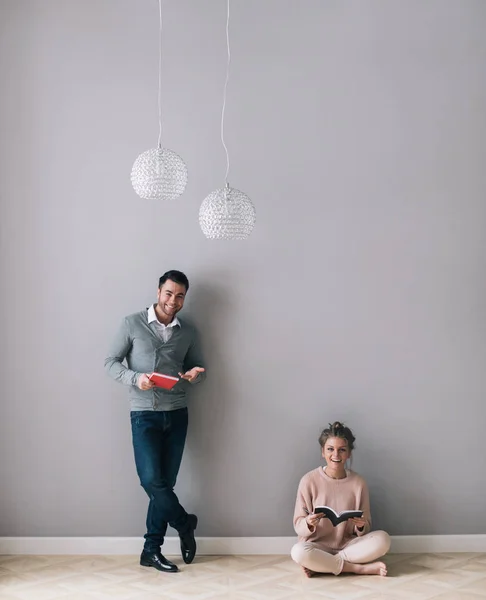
(158, 561)
(188, 541)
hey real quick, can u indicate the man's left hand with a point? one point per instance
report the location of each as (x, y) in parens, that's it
(191, 375)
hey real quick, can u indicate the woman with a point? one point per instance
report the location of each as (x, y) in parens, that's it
(349, 547)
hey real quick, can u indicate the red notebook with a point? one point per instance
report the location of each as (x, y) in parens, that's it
(163, 381)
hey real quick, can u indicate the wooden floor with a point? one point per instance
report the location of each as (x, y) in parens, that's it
(411, 577)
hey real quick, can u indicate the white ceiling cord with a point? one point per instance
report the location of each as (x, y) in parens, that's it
(160, 75)
(225, 88)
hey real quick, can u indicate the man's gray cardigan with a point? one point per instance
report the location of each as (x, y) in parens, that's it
(138, 343)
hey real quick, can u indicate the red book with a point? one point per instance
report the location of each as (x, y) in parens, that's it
(163, 381)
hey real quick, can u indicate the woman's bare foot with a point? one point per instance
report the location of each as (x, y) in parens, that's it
(308, 572)
(375, 568)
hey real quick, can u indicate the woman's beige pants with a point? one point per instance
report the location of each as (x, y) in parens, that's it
(360, 550)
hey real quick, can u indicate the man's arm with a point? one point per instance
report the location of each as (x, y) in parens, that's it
(118, 352)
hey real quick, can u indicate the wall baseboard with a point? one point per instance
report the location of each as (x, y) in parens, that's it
(224, 545)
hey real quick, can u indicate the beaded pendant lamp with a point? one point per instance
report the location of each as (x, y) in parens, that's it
(159, 173)
(227, 213)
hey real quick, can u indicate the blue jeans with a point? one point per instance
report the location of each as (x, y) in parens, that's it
(158, 442)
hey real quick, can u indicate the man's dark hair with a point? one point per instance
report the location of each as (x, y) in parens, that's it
(176, 277)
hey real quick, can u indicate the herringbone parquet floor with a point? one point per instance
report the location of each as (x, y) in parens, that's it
(411, 577)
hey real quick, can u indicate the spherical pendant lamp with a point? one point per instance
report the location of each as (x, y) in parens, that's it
(159, 174)
(227, 214)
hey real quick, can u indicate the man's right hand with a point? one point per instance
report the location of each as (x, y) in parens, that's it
(144, 382)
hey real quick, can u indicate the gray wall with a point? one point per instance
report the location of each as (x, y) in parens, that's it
(359, 130)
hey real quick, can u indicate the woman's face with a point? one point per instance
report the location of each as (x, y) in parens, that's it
(336, 452)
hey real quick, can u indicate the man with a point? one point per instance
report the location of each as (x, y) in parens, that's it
(155, 340)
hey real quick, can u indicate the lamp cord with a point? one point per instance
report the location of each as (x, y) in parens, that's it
(225, 88)
(160, 75)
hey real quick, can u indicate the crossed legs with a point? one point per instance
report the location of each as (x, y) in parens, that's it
(356, 557)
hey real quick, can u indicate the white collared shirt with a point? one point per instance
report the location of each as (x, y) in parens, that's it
(163, 331)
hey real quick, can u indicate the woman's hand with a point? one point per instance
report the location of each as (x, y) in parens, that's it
(313, 519)
(358, 522)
